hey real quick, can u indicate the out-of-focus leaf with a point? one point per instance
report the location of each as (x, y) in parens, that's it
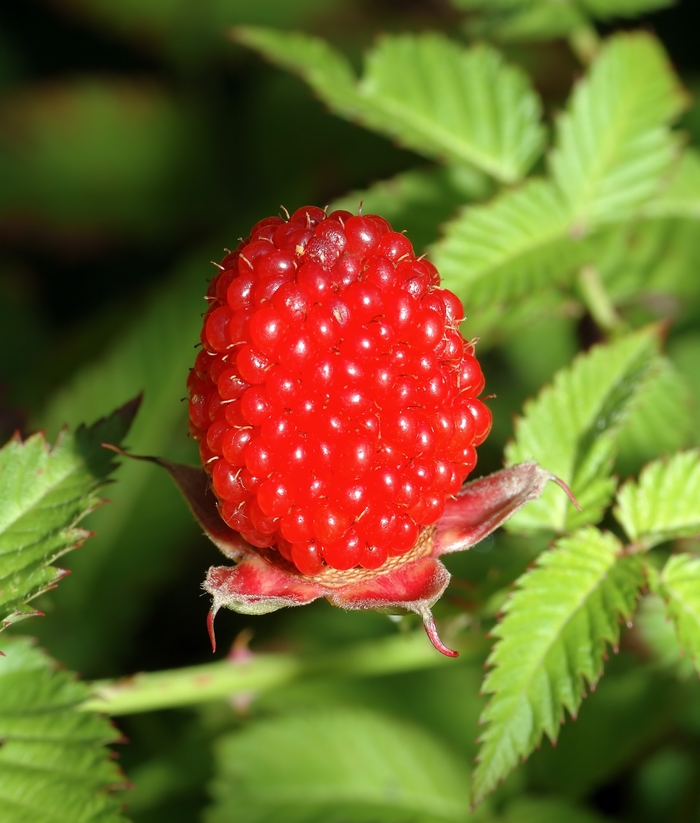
(44, 493)
(545, 19)
(418, 201)
(338, 765)
(648, 263)
(550, 644)
(109, 155)
(522, 19)
(466, 106)
(570, 430)
(54, 765)
(685, 354)
(138, 535)
(661, 421)
(658, 635)
(679, 585)
(665, 503)
(604, 9)
(548, 810)
(630, 710)
(506, 249)
(613, 142)
(192, 34)
(681, 198)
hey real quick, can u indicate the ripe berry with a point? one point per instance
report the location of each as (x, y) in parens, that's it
(334, 400)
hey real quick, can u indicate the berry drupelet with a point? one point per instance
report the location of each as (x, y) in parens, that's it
(334, 398)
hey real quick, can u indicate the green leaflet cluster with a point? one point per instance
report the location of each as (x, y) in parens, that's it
(566, 611)
(613, 151)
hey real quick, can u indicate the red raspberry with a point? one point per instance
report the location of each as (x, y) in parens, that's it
(334, 399)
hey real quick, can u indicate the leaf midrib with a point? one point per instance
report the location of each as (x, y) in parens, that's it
(608, 147)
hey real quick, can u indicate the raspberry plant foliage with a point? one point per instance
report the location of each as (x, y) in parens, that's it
(565, 223)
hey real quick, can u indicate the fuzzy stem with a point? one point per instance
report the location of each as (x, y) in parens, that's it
(597, 300)
(260, 673)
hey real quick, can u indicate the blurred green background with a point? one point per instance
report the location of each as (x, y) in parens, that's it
(136, 142)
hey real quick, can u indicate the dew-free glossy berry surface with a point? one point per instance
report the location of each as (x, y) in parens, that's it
(334, 398)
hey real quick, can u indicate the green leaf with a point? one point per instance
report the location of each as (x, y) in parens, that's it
(665, 503)
(418, 201)
(522, 19)
(464, 106)
(571, 426)
(54, 765)
(661, 422)
(545, 19)
(648, 263)
(613, 144)
(634, 708)
(604, 9)
(681, 198)
(508, 248)
(44, 493)
(552, 641)
(338, 766)
(679, 585)
(658, 634)
(548, 810)
(600, 8)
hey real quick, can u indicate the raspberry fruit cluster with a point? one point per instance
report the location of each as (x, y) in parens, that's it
(334, 398)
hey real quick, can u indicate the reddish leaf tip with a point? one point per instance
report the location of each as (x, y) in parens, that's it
(431, 631)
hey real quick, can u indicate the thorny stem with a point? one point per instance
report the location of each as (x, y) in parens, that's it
(261, 673)
(585, 44)
(597, 300)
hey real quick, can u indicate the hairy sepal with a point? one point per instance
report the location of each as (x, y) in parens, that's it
(262, 581)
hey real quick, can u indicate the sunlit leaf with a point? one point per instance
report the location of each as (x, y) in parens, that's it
(551, 643)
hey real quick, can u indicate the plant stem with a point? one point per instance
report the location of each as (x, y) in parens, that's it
(261, 673)
(597, 300)
(585, 43)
